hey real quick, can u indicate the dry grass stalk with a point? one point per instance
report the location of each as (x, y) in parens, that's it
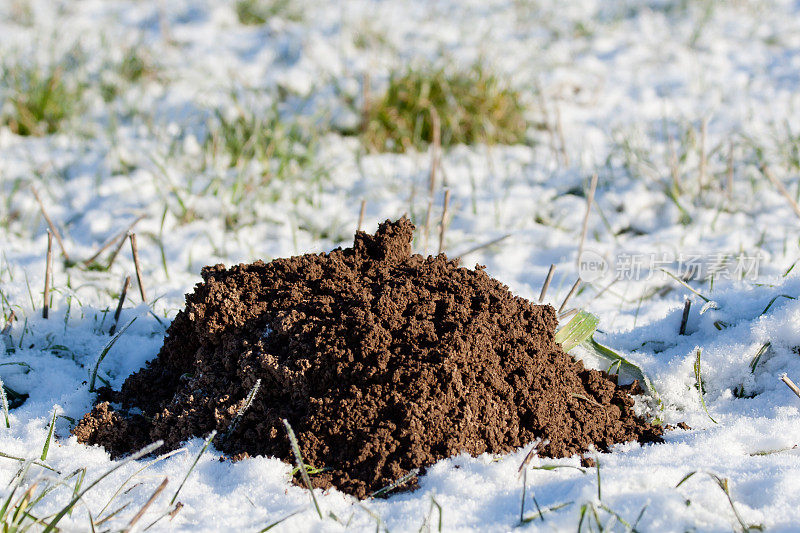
(703, 154)
(122, 235)
(135, 252)
(529, 456)
(163, 23)
(673, 166)
(567, 314)
(585, 228)
(366, 90)
(47, 275)
(687, 306)
(435, 148)
(112, 514)
(484, 245)
(729, 185)
(570, 294)
(791, 384)
(443, 222)
(50, 224)
(546, 121)
(9, 321)
(778, 185)
(147, 505)
(6, 333)
(117, 249)
(361, 215)
(561, 139)
(546, 283)
(175, 511)
(602, 291)
(125, 286)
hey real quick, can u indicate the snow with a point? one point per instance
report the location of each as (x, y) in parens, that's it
(631, 81)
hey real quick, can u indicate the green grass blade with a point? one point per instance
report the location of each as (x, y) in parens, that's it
(280, 521)
(639, 517)
(7, 503)
(699, 384)
(194, 464)
(540, 514)
(394, 484)
(243, 409)
(757, 358)
(66, 509)
(604, 352)
(312, 471)
(618, 518)
(584, 508)
(557, 467)
(685, 478)
(14, 398)
(4, 401)
(581, 327)
(139, 471)
(26, 366)
(771, 302)
(46, 447)
(724, 485)
(599, 490)
(112, 514)
(105, 351)
(79, 483)
(686, 285)
(20, 459)
(303, 473)
(440, 511)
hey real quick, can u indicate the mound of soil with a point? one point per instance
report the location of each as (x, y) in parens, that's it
(382, 362)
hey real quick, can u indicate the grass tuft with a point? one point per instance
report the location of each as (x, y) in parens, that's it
(134, 67)
(471, 106)
(51, 526)
(257, 12)
(262, 137)
(136, 473)
(252, 158)
(39, 99)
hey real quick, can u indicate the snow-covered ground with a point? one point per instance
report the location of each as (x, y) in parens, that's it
(674, 104)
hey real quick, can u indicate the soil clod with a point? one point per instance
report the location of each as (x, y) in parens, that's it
(381, 360)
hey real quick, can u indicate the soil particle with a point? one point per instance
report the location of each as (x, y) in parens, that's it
(382, 361)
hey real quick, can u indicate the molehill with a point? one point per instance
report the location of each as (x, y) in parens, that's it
(382, 362)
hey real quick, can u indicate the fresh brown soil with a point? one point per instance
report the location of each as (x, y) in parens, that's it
(382, 362)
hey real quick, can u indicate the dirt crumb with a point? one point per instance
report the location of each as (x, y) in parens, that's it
(381, 360)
